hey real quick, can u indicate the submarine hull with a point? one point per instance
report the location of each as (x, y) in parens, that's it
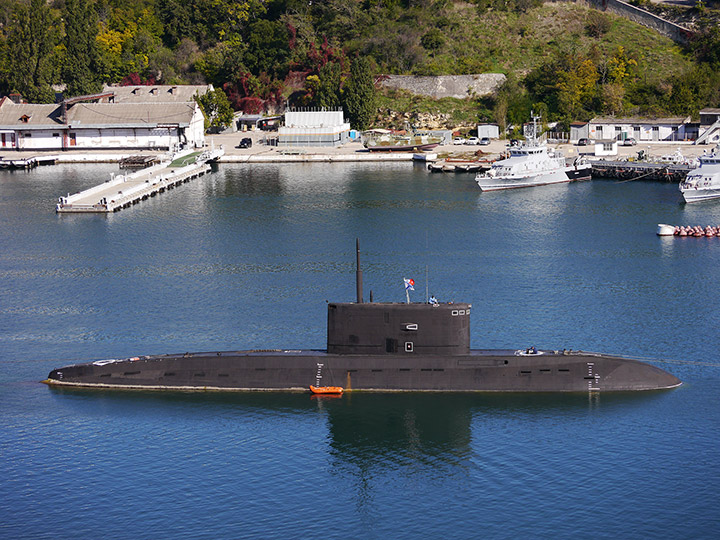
(293, 370)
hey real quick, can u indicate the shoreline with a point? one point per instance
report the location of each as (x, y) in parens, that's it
(349, 152)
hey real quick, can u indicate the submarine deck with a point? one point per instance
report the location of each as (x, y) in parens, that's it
(295, 370)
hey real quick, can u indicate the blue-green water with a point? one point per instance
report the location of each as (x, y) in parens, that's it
(246, 258)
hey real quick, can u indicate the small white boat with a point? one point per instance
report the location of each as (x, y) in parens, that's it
(664, 229)
(703, 183)
(532, 164)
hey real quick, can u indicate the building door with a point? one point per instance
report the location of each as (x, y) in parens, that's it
(2, 139)
(73, 141)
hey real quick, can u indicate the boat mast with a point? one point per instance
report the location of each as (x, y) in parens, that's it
(534, 136)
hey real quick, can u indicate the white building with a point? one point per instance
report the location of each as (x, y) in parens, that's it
(641, 129)
(606, 148)
(491, 131)
(84, 123)
(314, 128)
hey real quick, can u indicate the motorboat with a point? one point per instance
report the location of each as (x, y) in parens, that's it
(703, 183)
(532, 164)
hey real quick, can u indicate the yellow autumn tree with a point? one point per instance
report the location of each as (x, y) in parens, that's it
(620, 66)
(576, 86)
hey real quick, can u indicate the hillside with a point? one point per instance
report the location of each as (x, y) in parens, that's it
(519, 42)
(563, 58)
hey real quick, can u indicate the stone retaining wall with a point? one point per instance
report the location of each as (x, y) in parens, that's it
(664, 27)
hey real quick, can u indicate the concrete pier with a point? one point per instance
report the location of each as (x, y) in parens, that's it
(122, 191)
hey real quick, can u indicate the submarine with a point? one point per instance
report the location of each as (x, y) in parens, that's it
(377, 346)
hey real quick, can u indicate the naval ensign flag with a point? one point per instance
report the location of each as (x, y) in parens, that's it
(409, 286)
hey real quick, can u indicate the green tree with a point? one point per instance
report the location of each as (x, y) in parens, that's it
(29, 61)
(267, 48)
(433, 40)
(512, 104)
(360, 95)
(216, 109)
(576, 85)
(223, 62)
(327, 94)
(82, 61)
(206, 21)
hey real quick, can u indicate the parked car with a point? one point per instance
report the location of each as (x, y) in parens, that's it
(485, 141)
(245, 143)
(584, 142)
(458, 140)
(630, 141)
(472, 140)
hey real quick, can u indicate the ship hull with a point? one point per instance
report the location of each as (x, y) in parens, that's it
(497, 183)
(699, 195)
(481, 370)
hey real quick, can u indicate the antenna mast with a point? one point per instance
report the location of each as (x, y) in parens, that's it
(358, 273)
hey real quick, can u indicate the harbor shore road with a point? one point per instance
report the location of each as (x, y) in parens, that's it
(352, 151)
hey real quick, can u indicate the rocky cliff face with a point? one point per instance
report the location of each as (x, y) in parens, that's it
(417, 120)
(456, 86)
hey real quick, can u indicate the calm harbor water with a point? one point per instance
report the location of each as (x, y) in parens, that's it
(246, 258)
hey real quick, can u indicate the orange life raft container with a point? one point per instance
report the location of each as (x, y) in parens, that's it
(326, 389)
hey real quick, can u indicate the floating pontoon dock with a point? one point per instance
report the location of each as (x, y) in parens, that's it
(633, 170)
(26, 163)
(122, 191)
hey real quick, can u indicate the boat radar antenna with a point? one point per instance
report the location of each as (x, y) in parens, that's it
(531, 133)
(358, 273)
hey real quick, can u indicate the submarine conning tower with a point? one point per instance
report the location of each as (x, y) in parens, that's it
(394, 328)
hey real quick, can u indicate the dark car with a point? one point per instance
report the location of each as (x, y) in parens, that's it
(584, 141)
(629, 142)
(245, 143)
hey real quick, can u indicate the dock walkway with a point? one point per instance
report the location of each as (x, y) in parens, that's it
(122, 191)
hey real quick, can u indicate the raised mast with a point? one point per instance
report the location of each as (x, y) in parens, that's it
(358, 273)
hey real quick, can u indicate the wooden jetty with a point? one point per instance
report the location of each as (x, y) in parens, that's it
(122, 191)
(635, 170)
(139, 162)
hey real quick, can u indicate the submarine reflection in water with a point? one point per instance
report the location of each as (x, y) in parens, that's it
(378, 346)
(363, 428)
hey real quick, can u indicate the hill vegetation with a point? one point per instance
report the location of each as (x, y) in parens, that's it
(562, 59)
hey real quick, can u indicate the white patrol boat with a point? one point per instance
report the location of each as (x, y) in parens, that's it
(532, 164)
(703, 183)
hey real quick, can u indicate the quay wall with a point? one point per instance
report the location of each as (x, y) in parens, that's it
(677, 33)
